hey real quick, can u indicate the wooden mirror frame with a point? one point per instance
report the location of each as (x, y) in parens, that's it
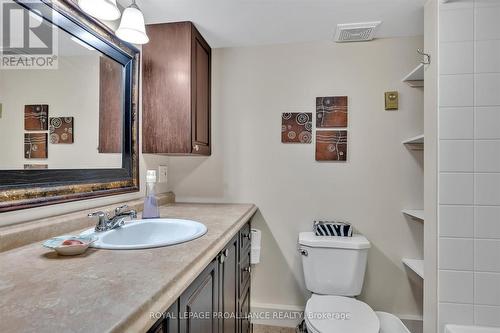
(20, 189)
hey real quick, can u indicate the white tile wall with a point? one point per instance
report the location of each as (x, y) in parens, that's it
(453, 281)
(457, 90)
(487, 189)
(456, 254)
(458, 221)
(487, 315)
(487, 288)
(469, 163)
(464, 64)
(457, 156)
(487, 258)
(456, 189)
(487, 123)
(487, 59)
(456, 25)
(487, 156)
(487, 222)
(486, 89)
(487, 24)
(458, 123)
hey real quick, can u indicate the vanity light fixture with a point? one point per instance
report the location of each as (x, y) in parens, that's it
(101, 9)
(132, 28)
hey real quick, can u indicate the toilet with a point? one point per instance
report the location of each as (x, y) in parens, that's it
(334, 270)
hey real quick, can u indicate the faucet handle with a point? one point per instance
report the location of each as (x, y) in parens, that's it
(119, 210)
(100, 214)
(103, 220)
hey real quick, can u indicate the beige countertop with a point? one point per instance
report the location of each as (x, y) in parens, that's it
(105, 290)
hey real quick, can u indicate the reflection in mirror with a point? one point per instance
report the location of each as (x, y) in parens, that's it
(68, 117)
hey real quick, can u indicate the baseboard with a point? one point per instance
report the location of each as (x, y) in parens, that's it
(276, 314)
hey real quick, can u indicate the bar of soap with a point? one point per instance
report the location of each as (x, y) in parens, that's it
(72, 242)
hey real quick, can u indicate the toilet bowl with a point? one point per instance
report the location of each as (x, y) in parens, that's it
(339, 314)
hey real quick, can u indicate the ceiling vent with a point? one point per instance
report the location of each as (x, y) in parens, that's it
(356, 32)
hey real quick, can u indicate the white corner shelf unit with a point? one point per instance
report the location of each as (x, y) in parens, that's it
(416, 265)
(415, 143)
(416, 214)
(415, 78)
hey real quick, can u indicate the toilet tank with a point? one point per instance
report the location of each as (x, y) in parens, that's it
(334, 265)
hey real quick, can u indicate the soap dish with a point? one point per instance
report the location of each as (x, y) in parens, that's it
(57, 245)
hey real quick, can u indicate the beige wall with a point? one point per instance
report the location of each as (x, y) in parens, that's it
(251, 88)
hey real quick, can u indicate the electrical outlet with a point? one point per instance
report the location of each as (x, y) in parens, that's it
(162, 174)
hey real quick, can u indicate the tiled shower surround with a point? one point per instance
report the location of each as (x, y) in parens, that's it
(469, 162)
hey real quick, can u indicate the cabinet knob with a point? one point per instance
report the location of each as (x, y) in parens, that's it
(226, 253)
(196, 147)
(247, 269)
(247, 236)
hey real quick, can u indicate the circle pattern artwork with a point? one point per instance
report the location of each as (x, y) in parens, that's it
(296, 127)
(61, 130)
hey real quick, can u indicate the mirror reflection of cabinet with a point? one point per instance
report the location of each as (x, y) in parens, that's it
(110, 106)
(176, 91)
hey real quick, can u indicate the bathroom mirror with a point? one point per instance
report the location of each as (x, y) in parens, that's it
(68, 106)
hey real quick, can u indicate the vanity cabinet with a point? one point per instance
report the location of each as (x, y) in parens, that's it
(176, 91)
(229, 297)
(200, 301)
(218, 301)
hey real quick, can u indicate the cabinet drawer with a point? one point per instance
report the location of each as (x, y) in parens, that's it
(245, 239)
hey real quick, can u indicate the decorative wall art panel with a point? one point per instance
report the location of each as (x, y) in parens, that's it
(331, 145)
(36, 117)
(35, 145)
(35, 166)
(61, 130)
(296, 127)
(331, 112)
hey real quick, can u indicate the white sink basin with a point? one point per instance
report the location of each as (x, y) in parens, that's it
(145, 234)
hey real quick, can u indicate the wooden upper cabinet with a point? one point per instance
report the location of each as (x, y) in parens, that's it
(176, 91)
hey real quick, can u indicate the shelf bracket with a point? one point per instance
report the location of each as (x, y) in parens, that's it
(427, 57)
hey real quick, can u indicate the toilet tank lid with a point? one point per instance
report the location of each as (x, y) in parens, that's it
(356, 242)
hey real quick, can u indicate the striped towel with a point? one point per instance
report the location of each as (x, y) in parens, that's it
(332, 228)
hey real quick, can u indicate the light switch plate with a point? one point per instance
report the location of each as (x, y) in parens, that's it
(162, 174)
(392, 100)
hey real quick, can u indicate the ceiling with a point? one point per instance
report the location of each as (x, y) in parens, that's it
(227, 23)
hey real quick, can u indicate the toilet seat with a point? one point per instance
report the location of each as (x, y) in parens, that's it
(339, 314)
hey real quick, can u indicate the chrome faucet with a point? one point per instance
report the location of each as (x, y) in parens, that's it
(106, 223)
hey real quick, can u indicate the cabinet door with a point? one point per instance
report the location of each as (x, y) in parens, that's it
(229, 287)
(245, 325)
(199, 303)
(201, 95)
(169, 323)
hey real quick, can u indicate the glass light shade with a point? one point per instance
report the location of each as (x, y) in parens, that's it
(101, 9)
(132, 28)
